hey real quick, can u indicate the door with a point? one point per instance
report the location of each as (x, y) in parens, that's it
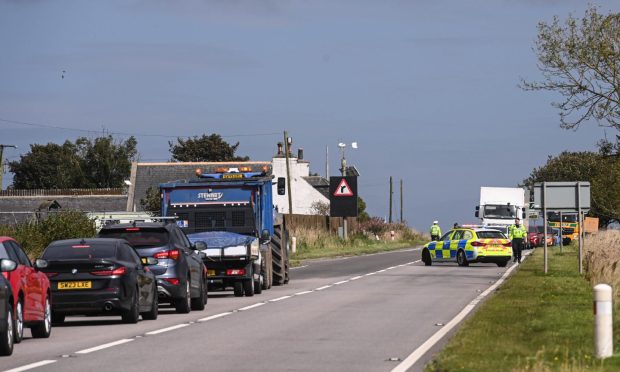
(31, 285)
(441, 249)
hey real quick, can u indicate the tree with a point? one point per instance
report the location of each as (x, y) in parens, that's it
(362, 215)
(83, 164)
(599, 169)
(580, 59)
(204, 148)
(152, 200)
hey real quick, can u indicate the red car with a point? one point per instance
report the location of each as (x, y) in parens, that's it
(535, 236)
(31, 292)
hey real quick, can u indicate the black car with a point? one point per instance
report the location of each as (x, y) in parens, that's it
(181, 272)
(99, 276)
(6, 309)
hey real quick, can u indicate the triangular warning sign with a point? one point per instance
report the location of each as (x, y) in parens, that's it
(343, 189)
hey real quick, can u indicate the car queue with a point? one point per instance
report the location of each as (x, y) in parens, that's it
(126, 271)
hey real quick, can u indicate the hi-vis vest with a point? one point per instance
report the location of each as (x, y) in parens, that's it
(435, 230)
(517, 232)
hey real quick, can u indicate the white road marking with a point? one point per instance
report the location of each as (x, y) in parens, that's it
(280, 298)
(341, 282)
(31, 366)
(105, 346)
(251, 306)
(302, 293)
(356, 277)
(323, 287)
(298, 267)
(381, 271)
(213, 317)
(166, 329)
(391, 267)
(428, 344)
(369, 274)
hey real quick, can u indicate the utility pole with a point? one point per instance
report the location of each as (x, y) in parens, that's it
(2, 161)
(401, 200)
(287, 145)
(391, 194)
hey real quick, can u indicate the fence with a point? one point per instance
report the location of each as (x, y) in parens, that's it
(61, 192)
(325, 223)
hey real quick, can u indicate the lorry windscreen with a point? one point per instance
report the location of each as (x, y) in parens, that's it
(500, 211)
(555, 217)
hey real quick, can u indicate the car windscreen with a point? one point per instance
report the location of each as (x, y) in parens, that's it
(80, 251)
(490, 234)
(138, 237)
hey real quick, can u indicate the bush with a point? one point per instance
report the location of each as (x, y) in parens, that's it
(35, 235)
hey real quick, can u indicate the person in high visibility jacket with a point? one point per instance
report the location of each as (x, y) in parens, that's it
(517, 234)
(435, 231)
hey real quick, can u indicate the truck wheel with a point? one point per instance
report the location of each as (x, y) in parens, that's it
(461, 259)
(238, 288)
(278, 251)
(248, 287)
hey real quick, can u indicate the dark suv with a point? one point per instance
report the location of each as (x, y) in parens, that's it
(181, 273)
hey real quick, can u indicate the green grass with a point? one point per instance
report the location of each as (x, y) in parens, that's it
(534, 322)
(354, 247)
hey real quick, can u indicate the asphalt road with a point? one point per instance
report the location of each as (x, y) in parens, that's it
(355, 314)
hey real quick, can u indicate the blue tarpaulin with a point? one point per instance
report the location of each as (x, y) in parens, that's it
(221, 239)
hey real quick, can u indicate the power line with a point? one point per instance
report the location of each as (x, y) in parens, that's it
(50, 126)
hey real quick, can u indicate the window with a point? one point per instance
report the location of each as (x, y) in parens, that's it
(446, 236)
(490, 234)
(458, 235)
(138, 238)
(131, 255)
(22, 258)
(80, 251)
(467, 235)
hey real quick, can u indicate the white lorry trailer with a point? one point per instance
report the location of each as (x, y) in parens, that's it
(499, 206)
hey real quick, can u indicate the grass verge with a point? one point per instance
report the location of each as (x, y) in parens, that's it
(534, 322)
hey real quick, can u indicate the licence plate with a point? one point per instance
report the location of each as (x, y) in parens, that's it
(210, 272)
(233, 176)
(75, 285)
(495, 247)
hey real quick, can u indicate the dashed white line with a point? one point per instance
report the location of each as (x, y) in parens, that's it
(214, 317)
(105, 346)
(166, 329)
(356, 277)
(391, 267)
(31, 366)
(323, 287)
(298, 267)
(341, 282)
(251, 306)
(369, 274)
(381, 271)
(303, 293)
(280, 298)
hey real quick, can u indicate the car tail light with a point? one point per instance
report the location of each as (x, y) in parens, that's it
(509, 244)
(235, 272)
(173, 281)
(476, 243)
(50, 274)
(132, 229)
(118, 271)
(172, 254)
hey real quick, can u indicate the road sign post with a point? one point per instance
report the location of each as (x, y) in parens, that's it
(343, 198)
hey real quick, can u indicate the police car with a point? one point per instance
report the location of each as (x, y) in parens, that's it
(467, 245)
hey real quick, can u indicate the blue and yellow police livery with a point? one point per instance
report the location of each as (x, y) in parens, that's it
(469, 245)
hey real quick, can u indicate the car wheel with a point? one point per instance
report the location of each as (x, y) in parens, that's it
(154, 311)
(461, 259)
(198, 303)
(43, 329)
(58, 318)
(7, 337)
(258, 284)
(132, 315)
(426, 258)
(248, 287)
(502, 264)
(183, 305)
(238, 288)
(19, 321)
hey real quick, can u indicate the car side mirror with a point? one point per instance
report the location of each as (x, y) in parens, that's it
(7, 265)
(40, 263)
(264, 236)
(200, 245)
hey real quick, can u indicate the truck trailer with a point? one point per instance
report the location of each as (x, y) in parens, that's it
(229, 206)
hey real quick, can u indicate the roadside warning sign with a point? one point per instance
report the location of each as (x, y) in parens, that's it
(343, 196)
(343, 189)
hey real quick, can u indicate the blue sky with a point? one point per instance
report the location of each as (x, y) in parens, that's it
(427, 88)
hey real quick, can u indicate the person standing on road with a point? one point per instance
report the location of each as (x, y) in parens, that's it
(435, 231)
(516, 234)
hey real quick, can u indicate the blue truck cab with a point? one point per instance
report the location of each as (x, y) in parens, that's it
(229, 207)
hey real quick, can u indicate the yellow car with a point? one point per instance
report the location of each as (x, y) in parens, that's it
(469, 245)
